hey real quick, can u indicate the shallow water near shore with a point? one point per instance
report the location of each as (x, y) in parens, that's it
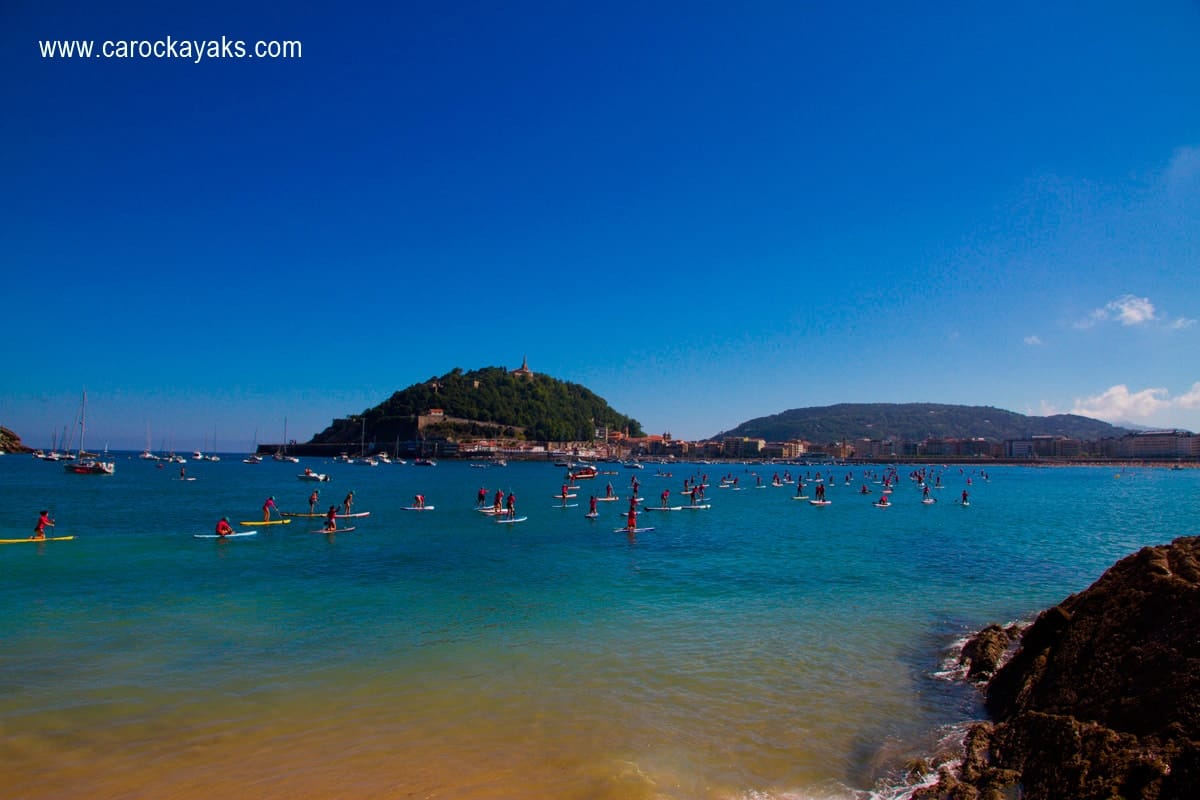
(763, 648)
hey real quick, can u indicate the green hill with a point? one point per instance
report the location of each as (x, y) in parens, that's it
(916, 422)
(490, 403)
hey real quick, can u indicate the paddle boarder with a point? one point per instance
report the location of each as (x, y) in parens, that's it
(592, 504)
(481, 497)
(511, 503)
(312, 501)
(631, 520)
(965, 502)
(269, 504)
(419, 501)
(348, 503)
(331, 519)
(666, 495)
(44, 521)
(223, 527)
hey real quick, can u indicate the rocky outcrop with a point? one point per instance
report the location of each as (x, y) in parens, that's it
(983, 654)
(10, 442)
(1102, 698)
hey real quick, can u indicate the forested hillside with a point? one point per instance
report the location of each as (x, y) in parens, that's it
(532, 406)
(916, 422)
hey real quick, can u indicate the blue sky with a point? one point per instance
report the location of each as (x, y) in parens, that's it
(704, 212)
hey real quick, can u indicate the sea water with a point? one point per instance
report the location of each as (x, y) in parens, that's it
(762, 648)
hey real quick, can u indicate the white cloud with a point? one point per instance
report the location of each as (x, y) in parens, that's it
(1132, 310)
(1033, 341)
(1127, 309)
(1118, 403)
(1181, 323)
(1190, 399)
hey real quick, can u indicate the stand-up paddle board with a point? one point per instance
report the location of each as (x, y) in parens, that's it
(510, 521)
(800, 497)
(233, 535)
(592, 514)
(929, 501)
(662, 508)
(269, 522)
(631, 530)
(820, 502)
(355, 515)
(339, 530)
(697, 507)
(607, 499)
(28, 540)
(882, 505)
(567, 505)
(417, 508)
(561, 496)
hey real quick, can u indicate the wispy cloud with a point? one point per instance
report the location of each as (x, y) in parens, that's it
(1127, 309)
(1190, 399)
(1181, 323)
(1118, 403)
(1033, 341)
(1184, 166)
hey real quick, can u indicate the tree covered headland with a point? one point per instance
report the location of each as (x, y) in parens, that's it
(484, 403)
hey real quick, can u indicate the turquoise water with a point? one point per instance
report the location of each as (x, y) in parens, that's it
(763, 648)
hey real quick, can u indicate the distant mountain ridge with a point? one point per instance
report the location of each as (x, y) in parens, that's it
(492, 402)
(916, 422)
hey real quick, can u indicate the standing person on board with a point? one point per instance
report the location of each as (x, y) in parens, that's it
(348, 503)
(608, 490)
(666, 495)
(965, 502)
(269, 504)
(44, 521)
(312, 501)
(592, 504)
(480, 497)
(419, 501)
(223, 527)
(564, 493)
(498, 501)
(511, 503)
(631, 520)
(331, 519)
(183, 473)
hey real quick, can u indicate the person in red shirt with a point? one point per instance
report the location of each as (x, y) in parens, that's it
(39, 531)
(269, 504)
(331, 519)
(223, 527)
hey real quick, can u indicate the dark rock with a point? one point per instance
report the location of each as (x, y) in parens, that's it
(985, 651)
(10, 442)
(1102, 700)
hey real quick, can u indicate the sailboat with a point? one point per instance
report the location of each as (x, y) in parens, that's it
(147, 454)
(85, 464)
(281, 453)
(363, 458)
